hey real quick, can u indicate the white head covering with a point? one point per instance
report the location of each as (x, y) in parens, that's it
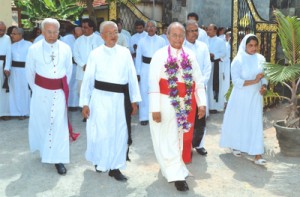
(242, 48)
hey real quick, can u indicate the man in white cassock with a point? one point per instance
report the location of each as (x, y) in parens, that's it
(217, 50)
(139, 26)
(226, 65)
(5, 62)
(108, 85)
(203, 59)
(175, 86)
(49, 69)
(147, 46)
(69, 39)
(19, 97)
(83, 46)
(202, 35)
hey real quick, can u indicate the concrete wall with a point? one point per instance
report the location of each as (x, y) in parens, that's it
(5, 12)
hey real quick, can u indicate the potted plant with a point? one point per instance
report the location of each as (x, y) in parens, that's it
(288, 74)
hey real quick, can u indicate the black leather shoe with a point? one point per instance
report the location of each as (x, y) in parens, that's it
(213, 111)
(117, 175)
(201, 151)
(99, 171)
(61, 169)
(181, 186)
(84, 120)
(144, 123)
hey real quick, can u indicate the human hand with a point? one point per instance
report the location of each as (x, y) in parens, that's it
(7, 73)
(263, 90)
(259, 76)
(156, 116)
(85, 112)
(134, 108)
(201, 112)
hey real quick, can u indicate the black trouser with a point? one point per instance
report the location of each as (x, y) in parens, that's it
(199, 128)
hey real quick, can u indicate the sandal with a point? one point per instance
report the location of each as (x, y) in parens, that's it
(260, 162)
(236, 153)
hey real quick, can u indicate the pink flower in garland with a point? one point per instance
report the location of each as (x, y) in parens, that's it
(182, 111)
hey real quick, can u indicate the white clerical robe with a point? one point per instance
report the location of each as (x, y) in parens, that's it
(167, 141)
(81, 51)
(5, 50)
(48, 124)
(147, 46)
(106, 126)
(218, 48)
(203, 59)
(69, 39)
(242, 127)
(19, 95)
(134, 40)
(202, 36)
(226, 70)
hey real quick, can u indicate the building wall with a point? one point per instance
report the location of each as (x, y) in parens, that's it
(5, 12)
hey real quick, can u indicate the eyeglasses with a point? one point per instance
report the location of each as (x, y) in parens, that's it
(150, 27)
(2, 30)
(192, 30)
(52, 32)
(111, 34)
(14, 34)
(181, 36)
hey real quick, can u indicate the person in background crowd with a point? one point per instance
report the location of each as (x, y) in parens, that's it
(147, 46)
(19, 96)
(5, 64)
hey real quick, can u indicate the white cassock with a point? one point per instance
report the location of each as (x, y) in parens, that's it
(134, 40)
(19, 93)
(40, 37)
(164, 36)
(48, 124)
(122, 40)
(69, 39)
(81, 51)
(167, 141)
(218, 48)
(147, 46)
(5, 50)
(201, 51)
(202, 36)
(127, 35)
(106, 126)
(226, 70)
(242, 127)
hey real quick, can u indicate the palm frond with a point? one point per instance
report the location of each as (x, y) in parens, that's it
(277, 73)
(289, 34)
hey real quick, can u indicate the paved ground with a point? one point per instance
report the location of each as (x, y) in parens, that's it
(218, 174)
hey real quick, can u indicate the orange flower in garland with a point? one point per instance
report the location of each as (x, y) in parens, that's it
(172, 71)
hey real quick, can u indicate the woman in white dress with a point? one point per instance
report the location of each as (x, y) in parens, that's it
(242, 128)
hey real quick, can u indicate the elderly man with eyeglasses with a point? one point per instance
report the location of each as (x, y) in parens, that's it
(48, 70)
(176, 88)
(109, 85)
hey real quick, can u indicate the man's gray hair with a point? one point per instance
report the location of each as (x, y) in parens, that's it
(175, 25)
(50, 21)
(20, 31)
(153, 22)
(107, 23)
(2, 23)
(191, 22)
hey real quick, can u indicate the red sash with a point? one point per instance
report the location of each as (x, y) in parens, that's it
(188, 136)
(55, 84)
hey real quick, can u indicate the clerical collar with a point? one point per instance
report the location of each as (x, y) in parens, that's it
(189, 43)
(175, 52)
(89, 35)
(47, 44)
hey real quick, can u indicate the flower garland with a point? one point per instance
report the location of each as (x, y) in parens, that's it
(172, 67)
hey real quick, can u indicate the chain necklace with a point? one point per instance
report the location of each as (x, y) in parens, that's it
(52, 56)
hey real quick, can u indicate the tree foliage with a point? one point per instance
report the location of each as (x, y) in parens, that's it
(35, 10)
